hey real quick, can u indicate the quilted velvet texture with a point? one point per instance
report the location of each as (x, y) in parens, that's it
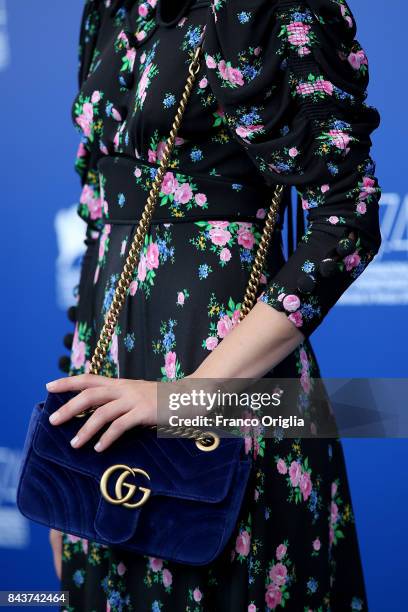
(195, 496)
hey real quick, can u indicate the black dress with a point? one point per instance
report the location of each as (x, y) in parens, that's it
(279, 99)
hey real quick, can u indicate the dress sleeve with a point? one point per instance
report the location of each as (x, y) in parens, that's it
(291, 79)
(93, 12)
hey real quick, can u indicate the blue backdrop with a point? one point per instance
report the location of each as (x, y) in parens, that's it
(363, 336)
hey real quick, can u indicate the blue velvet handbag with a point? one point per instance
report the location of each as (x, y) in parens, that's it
(174, 498)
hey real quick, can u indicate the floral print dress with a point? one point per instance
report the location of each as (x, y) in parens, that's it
(279, 99)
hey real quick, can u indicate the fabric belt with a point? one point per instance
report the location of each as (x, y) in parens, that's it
(184, 197)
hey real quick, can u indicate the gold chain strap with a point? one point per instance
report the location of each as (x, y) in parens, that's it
(132, 258)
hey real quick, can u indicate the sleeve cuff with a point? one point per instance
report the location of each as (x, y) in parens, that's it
(304, 311)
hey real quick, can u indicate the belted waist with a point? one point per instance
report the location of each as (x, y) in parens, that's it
(125, 183)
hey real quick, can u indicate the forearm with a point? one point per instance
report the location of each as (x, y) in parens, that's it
(257, 344)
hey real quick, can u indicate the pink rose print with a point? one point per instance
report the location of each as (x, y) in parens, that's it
(295, 472)
(281, 467)
(225, 254)
(246, 130)
(155, 564)
(152, 256)
(305, 485)
(340, 139)
(169, 183)
(133, 288)
(333, 220)
(116, 114)
(85, 119)
(73, 538)
(143, 10)
(137, 172)
(210, 62)
(170, 364)
(93, 203)
(219, 236)
(211, 343)
(324, 188)
(334, 512)
(160, 149)
(144, 80)
(293, 152)
(141, 269)
(358, 59)
(131, 56)
(245, 238)
(183, 193)
(114, 348)
(304, 358)
(316, 544)
(305, 381)
(151, 156)
(278, 574)
(367, 187)
(200, 199)
(273, 596)
(232, 75)
(180, 298)
(81, 152)
(281, 551)
(197, 595)
(121, 569)
(203, 83)
(224, 326)
(78, 351)
(333, 489)
(296, 318)
(243, 543)
(362, 208)
(252, 608)
(167, 578)
(298, 33)
(220, 224)
(352, 261)
(291, 302)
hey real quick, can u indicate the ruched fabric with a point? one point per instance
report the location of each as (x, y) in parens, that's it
(292, 81)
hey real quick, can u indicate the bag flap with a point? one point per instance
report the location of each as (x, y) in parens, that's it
(175, 466)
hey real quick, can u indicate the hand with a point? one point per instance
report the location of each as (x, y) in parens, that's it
(123, 402)
(56, 545)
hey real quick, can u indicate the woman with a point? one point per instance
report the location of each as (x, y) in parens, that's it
(279, 99)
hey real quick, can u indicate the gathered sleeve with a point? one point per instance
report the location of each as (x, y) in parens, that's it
(291, 79)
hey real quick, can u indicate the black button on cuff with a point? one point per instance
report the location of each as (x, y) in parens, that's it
(345, 247)
(306, 283)
(64, 363)
(68, 340)
(328, 267)
(72, 313)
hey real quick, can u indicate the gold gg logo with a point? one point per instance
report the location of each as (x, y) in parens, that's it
(120, 483)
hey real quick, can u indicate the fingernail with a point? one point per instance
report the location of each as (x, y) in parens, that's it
(53, 418)
(74, 441)
(98, 446)
(50, 385)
